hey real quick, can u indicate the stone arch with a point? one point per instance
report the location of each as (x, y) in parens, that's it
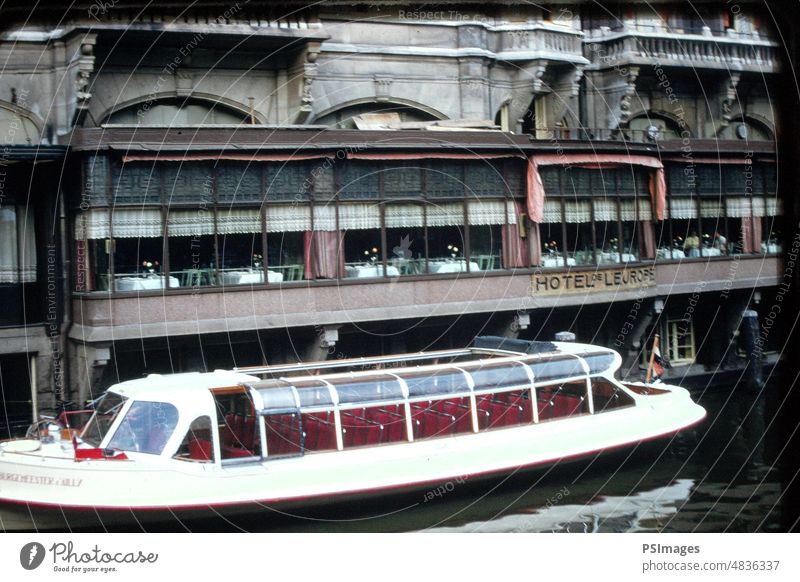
(20, 126)
(764, 130)
(366, 105)
(238, 112)
(671, 126)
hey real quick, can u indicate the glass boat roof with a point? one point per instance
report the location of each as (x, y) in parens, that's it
(434, 375)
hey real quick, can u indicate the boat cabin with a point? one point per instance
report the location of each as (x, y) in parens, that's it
(277, 412)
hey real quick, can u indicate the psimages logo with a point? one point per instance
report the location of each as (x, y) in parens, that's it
(31, 555)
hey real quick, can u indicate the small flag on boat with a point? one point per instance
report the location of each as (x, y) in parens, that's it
(655, 368)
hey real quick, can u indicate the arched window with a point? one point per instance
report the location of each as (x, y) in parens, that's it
(177, 112)
(653, 126)
(345, 118)
(17, 127)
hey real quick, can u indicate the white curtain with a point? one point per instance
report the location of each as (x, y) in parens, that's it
(738, 207)
(358, 216)
(489, 212)
(682, 208)
(759, 207)
(605, 210)
(238, 221)
(288, 218)
(576, 212)
(188, 223)
(711, 209)
(774, 207)
(445, 214)
(128, 223)
(325, 218)
(552, 212)
(405, 216)
(17, 245)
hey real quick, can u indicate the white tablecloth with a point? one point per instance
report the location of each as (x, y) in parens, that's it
(557, 262)
(249, 277)
(614, 258)
(665, 254)
(143, 283)
(711, 252)
(771, 248)
(365, 271)
(452, 266)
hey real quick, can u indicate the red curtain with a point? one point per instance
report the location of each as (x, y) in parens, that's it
(322, 253)
(648, 239)
(751, 234)
(658, 184)
(535, 243)
(515, 249)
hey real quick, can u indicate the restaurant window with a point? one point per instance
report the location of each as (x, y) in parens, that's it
(552, 235)
(682, 215)
(405, 237)
(446, 238)
(241, 259)
(579, 247)
(494, 235)
(288, 228)
(360, 225)
(606, 225)
(192, 248)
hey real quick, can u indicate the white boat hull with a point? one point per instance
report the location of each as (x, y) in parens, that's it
(61, 493)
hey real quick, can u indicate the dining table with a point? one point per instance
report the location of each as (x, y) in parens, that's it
(143, 283)
(665, 253)
(557, 262)
(367, 271)
(249, 277)
(454, 266)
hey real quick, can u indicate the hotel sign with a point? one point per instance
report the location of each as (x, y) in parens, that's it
(625, 279)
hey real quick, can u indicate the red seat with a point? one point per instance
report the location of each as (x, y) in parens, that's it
(201, 450)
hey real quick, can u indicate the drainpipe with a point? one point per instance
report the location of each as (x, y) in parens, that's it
(34, 388)
(66, 308)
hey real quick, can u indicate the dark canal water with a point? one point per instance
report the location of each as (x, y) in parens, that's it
(722, 476)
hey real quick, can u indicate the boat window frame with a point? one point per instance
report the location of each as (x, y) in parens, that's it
(255, 398)
(262, 413)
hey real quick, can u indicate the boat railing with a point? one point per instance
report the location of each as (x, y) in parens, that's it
(352, 362)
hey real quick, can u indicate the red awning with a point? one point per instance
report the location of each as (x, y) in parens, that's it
(202, 157)
(658, 185)
(428, 155)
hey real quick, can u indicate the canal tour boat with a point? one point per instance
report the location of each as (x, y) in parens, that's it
(183, 446)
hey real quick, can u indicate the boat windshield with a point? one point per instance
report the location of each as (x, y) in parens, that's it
(106, 411)
(146, 427)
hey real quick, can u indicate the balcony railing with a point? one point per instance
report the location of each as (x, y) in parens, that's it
(685, 50)
(539, 41)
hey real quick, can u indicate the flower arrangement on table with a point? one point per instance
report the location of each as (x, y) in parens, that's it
(614, 244)
(551, 247)
(372, 255)
(150, 267)
(258, 261)
(453, 251)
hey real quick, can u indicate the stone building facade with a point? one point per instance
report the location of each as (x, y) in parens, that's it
(544, 144)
